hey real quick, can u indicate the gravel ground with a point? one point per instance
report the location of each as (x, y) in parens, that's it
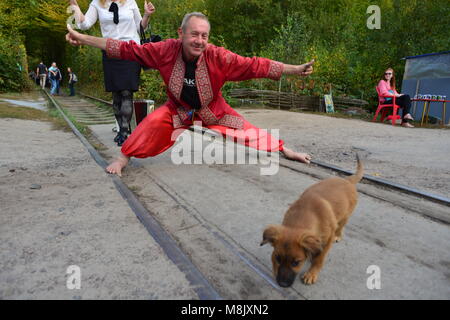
(416, 157)
(58, 209)
(54, 214)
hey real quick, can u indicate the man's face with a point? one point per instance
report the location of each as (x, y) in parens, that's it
(194, 38)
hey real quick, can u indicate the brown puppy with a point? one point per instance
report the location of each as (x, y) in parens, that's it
(310, 227)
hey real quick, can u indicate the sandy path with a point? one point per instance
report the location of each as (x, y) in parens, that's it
(418, 157)
(73, 216)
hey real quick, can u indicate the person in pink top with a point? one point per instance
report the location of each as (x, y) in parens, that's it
(386, 86)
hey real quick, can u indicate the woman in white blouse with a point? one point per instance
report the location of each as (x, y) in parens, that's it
(121, 20)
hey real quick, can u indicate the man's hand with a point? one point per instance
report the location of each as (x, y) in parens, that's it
(73, 37)
(302, 70)
(306, 69)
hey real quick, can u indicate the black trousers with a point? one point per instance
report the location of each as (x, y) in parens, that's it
(403, 102)
(72, 88)
(123, 110)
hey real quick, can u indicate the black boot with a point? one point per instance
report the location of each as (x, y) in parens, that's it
(116, 139)
(122, 138)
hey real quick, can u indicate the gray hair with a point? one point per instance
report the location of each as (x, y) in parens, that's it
(188, 16)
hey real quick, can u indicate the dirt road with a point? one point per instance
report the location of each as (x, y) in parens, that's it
(58, 208)
(417, 157)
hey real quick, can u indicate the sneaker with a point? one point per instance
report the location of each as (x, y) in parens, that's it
(407, 125)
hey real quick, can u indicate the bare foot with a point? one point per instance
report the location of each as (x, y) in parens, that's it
(292, 155)
(117, 165)
(407, 125)
(408, 116)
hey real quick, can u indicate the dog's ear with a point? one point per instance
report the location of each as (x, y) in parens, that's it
(271, 234)
(310, 243)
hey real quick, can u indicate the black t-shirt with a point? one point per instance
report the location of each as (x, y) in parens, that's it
(42, 68)
(189, 94)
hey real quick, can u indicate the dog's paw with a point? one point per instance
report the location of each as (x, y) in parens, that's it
(310, 277)
(337, 239)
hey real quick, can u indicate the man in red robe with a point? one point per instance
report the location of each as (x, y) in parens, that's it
(194, 72)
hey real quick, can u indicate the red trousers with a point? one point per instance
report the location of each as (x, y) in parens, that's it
(155, 134)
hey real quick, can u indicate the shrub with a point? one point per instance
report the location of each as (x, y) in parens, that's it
(13, 65)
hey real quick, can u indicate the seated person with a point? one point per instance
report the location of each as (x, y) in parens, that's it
(386, 86)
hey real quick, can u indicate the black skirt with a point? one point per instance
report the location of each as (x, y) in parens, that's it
(120, 74)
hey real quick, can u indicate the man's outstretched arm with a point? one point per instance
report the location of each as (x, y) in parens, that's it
(77, 39)
(150, 55)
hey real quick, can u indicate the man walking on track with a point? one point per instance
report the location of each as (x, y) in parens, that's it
(194, 72)
(42, 74)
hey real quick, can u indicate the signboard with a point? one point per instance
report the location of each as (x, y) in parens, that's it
(329, 107)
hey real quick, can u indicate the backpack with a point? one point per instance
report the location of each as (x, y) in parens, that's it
(74, 77)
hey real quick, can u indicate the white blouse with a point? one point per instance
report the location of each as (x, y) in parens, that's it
(129, 20)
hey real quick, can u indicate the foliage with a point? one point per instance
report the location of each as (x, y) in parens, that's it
(349, 56)
(152, 82)
(247, 26)
(13, 65)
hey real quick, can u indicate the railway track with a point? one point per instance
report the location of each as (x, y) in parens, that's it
(84, 112)
(206, 290)
(382, 182)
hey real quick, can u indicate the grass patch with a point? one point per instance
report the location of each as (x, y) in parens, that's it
(58, 121)
(24, 113)
(84, 130)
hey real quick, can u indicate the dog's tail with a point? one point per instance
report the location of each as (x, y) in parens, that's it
(359, 172)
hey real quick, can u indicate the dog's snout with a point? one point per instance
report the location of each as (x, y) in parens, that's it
(285, 284)
(285, 277)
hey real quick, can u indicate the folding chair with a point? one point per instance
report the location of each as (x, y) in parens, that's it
(384, 108)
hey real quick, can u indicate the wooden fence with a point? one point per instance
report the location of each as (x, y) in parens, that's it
(292, 101)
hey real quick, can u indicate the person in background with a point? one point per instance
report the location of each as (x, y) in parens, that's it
(41, 72)
(58, 80)
(53, 76)
(32, 75)
(72, 80)
(120, 20)
(386, 86)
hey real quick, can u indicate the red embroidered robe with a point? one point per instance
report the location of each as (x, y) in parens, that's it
(215, 66)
